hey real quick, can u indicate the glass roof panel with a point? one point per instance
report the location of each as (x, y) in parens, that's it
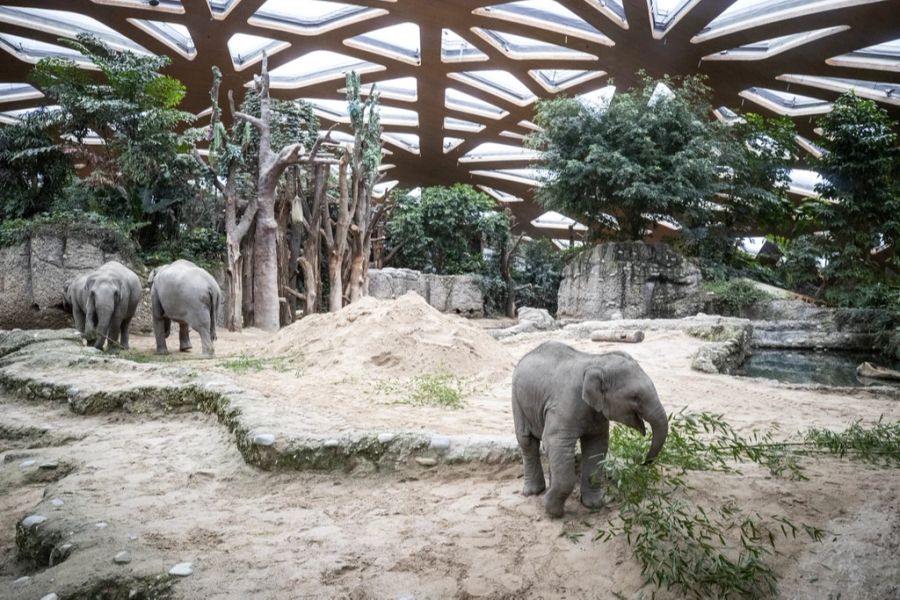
(499, 83)
(247, 49)
(451, 142)
(402, 88)
(499, 195)
(528, 176)
(557, 80)
(612, 9)
(457, 100)
(523, 48)
(491, 151)
(454, 124)
(400, 42)
(10, 117)
(555, 220)
(336, 110)
(545, 14)
(598, 99)
(65, 23)
(174, 35)
(32, 51)
(454, 48)
(881, 57)
(745, 14)
(786, 103)
(771, 47)
(166, 6)
(310, 17)
(404, 141)
(318, 66)
(886, 92)
(666, 13)
(11, 92)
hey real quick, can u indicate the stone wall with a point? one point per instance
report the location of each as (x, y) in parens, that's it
(34, 272)
(630, 280)
(460, 294)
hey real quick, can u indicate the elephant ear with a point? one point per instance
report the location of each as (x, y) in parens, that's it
(593, 390)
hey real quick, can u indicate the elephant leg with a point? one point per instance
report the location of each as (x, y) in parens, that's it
(534, 472)
(206, 340)
(123, 333)
(113, 337)
(78, 315)
(593, 451)
(562, 473)
(184, 337)
(160, 328)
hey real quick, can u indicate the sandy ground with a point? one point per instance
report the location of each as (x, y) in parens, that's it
(175, 489)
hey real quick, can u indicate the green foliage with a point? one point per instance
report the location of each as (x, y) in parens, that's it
(697, 550)
(200, 245)
(430, 389)
(441, 230)
(244, 363)
(860, 198)
(878, 444)
(33, 172)
(142, 172)
(365, 122)
(617, 168)
(734, 295)
(538, 272)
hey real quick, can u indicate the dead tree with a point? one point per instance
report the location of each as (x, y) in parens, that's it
(226, 157)
(336, 233)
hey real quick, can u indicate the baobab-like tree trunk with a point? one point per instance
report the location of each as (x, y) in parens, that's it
(336, 232)
(312, 225)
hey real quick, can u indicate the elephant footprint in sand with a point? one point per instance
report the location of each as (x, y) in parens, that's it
(561, 396)
(184, 293)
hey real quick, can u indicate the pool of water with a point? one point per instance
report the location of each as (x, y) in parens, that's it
(814, 367)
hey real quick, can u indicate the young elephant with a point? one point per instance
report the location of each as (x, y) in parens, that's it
(561, 395)
(103, 303)
(184, 293)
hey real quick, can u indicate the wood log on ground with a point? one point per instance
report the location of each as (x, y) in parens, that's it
(874, 371)
(617, 335)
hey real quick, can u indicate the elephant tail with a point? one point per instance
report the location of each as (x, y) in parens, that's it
(213, 309)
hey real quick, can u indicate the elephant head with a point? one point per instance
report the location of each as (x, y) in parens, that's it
(103, 301)
(616, 386)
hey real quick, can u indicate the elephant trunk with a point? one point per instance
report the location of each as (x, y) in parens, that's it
(659, 424)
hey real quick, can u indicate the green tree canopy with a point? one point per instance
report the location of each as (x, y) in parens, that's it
(441, 230)
(647, 156)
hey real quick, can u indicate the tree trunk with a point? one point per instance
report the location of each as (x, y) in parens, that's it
(265, 265)
(248, 245)
(234, 288)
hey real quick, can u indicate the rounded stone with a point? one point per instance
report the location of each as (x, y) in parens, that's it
(122, 558)
(384, 438)
(32, 520)
(264, 439)
(22, 580)
(56, 502)
(182, 569)
(72, 391)
(425, 461)
(49, 465)
(26, 463)
(50, 596)
(331, 443)
(101, 525)
(439, 442)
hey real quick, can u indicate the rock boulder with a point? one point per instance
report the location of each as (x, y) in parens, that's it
(630, 280)
(460, 294)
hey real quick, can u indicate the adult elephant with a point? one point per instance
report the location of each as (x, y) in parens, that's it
(103, 303)
(184, 293)
(561, 395)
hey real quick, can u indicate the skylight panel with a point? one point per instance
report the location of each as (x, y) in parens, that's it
(881, 57)
(220, 8)
(461, 101)
(454, 48)
(519, 47)
(545, 14)
(889, 93)
(13, 92)
(400, 42)
(810, 146)
(499, 195)
(247, 50)
(450, 143)
(454, 124)
(528, 176)
(557, 80)
(512, 134)
(768, 48)
(490, 151)
(612, 10)
(554, 220)
(318, 66)
(31, 51)
(664, 14)
(745, 14)
(165, 6)
(404, 141)
(68, 24)
(174, 35)
(336, 110)
(11, 117)
(310, 17)
(404, 89)
(598, 99)
(803, 182)
(785, 103)
(499, 83)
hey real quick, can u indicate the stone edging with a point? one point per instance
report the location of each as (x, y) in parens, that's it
(26, 369)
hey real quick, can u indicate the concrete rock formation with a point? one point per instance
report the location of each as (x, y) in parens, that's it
(34, 272)
(632, 280)
(460, 294)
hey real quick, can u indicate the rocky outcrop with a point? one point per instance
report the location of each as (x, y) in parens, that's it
(728, 347)
(34, 272)
(530, 321)
(630, 280)
(459, 294)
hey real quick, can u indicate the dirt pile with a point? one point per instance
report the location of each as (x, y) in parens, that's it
(401, 338)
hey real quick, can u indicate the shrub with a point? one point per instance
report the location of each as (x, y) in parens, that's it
(733, 296)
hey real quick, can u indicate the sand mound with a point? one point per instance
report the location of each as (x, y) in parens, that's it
(399, 338)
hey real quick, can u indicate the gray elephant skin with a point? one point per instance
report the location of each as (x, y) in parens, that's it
(560, 396)
(103, 302)
(184, 293)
